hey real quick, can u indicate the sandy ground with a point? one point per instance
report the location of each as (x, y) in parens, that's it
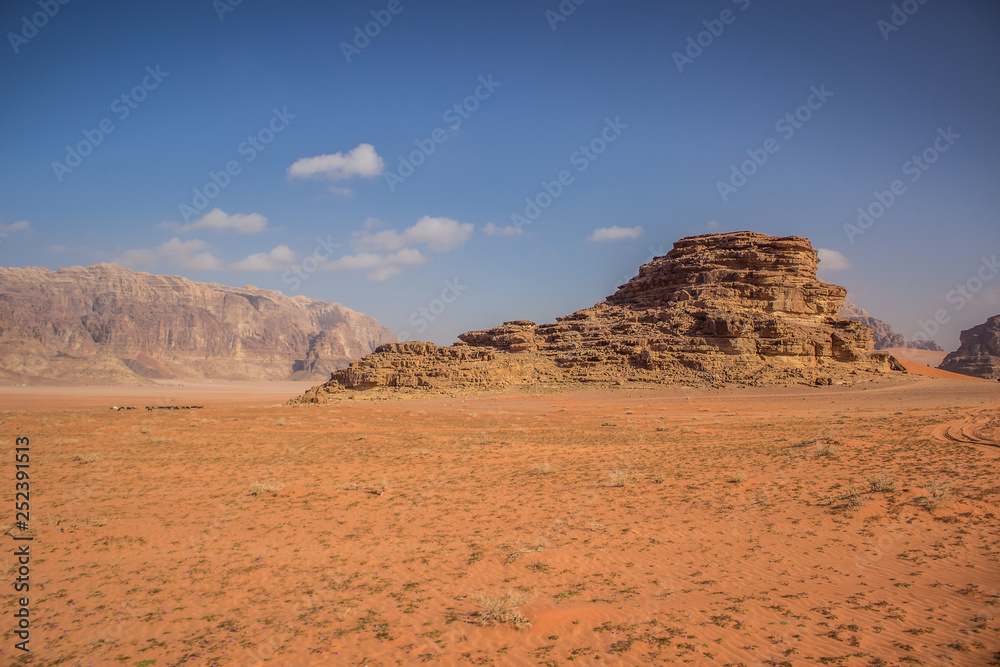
(783, 526)
(926, 371)
(176, 392)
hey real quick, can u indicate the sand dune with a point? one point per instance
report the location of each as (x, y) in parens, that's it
(926, 371)
(926, 357)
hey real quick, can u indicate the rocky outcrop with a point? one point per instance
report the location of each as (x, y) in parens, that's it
(885, 337)
(107, 323)
(739, 308)
(979, 352)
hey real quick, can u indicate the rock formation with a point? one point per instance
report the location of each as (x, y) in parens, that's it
(885, 337)
(739, 308)
(979, 352)
(107, 323)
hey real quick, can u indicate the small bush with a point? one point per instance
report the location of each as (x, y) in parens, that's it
(737, 477)
(881, 484)
(503, 609)
(89, 457)
(620, 476)
(544, 469)
(853, 497)
(260, 488)
(827, 449)
(938, 493)
(379, 488)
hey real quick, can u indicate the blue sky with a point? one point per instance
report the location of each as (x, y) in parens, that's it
(644, 125)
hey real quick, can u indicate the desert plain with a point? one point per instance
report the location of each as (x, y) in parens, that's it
(607, 526)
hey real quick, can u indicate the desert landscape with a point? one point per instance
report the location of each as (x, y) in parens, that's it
(782, 525)
(392, 333)
(710, 466)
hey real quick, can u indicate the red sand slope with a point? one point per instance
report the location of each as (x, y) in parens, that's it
(927, 371)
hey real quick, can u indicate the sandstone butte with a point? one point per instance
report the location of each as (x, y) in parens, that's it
(719, 309)
(978, 353)
(107, 323)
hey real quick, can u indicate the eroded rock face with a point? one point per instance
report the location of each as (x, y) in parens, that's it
(979, 352)
(107, 323)
(740, 308)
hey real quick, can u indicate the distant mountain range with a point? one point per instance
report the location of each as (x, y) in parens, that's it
(107, 323)
(885, 337)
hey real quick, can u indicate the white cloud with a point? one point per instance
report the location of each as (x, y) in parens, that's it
(492, 230)
(137, 258)
(19, 226)
(713, 225)
(831, 260)
(219, 220)
(360, 161)
(388, 252)
(192, 255)
(189, 255)
(380, 267)
(440, 235)
(614, 233)
(277, 259)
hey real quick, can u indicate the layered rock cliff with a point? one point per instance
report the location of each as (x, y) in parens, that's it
(739, 308)
(979, 352)
(107, 323)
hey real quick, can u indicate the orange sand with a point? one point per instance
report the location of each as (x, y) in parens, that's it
(925, 357)
(744, 529)
(176, 392)
(927, 371)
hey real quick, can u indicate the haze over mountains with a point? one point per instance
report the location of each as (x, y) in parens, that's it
(885, 337)
(107, 323)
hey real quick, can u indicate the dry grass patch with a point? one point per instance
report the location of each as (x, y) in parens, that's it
(503, 609)
(737, 477)
(621, 476)
(881, 484)
(260, 488)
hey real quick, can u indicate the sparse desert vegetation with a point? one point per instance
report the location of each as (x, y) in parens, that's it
(779, 526)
